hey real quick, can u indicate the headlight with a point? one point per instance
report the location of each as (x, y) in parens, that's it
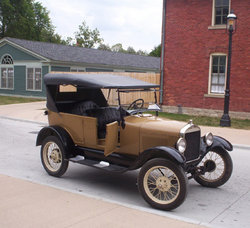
(181, 145)
(209, 138)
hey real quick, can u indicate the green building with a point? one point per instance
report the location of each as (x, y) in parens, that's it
(23, 64)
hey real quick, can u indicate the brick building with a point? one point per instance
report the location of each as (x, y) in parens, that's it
(195, 56)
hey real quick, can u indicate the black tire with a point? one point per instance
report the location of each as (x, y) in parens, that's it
(220, 167)
(162, 183)
(53, 156)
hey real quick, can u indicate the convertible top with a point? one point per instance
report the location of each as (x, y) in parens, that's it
(101, 81)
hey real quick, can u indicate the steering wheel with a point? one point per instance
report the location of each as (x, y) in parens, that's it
(136, 104)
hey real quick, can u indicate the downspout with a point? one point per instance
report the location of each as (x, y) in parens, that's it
(163, 48)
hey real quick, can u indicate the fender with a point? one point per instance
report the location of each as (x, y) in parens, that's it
(57, 131)
(159, 152)
(222, 143)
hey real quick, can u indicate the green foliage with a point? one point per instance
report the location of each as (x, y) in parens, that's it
(104, 47)
(206, 121)
(119, 48)
(86, 37)
(141, 52)
(26, 19)
(130, 50)
(156, 52)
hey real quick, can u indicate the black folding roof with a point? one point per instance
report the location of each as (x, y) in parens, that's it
(96, 81)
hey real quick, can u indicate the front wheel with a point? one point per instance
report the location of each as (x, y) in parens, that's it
(163, 184)
(53, 156)
(218, 167)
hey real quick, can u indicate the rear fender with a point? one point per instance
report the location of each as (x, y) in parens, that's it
(57, 131)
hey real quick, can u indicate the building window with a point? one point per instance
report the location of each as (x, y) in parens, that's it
(7, 78)
(218, 74)
(7, 73)
(7, 60)
(34, 79)
(221, 10)
(77, 69)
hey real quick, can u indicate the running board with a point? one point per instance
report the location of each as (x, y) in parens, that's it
(103, 165)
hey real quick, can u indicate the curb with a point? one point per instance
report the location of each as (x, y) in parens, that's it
(240, 146)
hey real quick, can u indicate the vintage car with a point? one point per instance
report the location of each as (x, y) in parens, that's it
(85, 129)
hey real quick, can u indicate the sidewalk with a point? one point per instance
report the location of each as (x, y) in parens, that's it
(25, 204)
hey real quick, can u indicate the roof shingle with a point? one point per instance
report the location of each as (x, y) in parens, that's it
(64, 53)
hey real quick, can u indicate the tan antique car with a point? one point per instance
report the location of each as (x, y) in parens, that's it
(84, 129)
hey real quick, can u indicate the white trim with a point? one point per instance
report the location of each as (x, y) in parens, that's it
(215, 95)
(7, 66)
(213, 25)
(210, 73)
(24, 49)
(4, 56)
(28, 63)
(26, 78)
(81, 69)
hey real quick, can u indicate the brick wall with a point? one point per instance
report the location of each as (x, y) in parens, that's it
(189, 44)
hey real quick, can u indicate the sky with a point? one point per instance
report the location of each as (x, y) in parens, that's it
(135, 23)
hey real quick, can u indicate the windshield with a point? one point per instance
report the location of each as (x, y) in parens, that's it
(133, 99)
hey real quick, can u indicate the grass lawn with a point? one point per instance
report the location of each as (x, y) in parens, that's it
(206, 121)
(4, 100)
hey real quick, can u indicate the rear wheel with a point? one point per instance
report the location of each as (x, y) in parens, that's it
(163, 184)
(53, 156)
(218, 168)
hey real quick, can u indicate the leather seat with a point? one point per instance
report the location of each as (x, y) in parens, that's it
(105, 116)
(82, 107)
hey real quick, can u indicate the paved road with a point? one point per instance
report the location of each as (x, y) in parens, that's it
(227, 206)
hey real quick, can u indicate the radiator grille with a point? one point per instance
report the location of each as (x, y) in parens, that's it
(193, 145)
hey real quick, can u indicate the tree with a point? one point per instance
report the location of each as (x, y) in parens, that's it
(44, 29)
(117, 48)
(86, 37)
(26, 19)
(156, 52)
(141, 52)
(17, 18)
(104, 47)
(131, 50)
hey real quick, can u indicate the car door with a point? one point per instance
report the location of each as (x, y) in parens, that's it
(111, 140)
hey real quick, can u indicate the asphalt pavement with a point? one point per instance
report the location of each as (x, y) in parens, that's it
(86, 197)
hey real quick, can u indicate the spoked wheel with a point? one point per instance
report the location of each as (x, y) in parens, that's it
(163, 184)
(53, 156)
(218, 168)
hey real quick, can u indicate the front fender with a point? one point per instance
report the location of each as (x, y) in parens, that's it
(57, 131)
(159, 152)
(222, 143)
(219, 142)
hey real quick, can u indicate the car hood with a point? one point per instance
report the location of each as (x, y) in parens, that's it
(163, 126)
(156, 131)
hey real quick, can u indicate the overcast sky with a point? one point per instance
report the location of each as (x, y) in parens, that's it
(135, 23)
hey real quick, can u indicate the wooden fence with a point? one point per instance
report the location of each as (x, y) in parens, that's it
(127, 98)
